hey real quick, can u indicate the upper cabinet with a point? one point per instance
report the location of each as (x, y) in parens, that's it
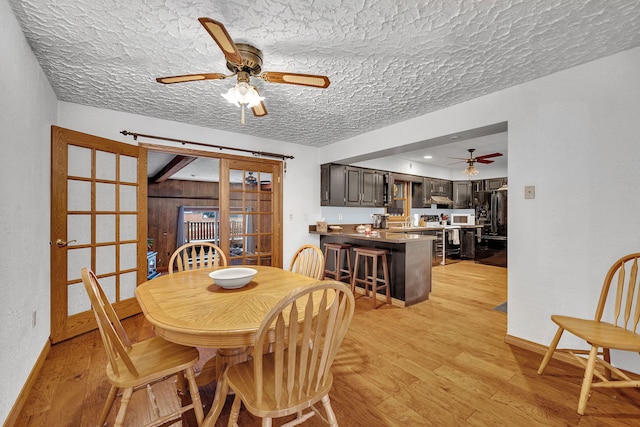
(421, 193)
(342, 185)
(325, 185)
(495, 183)
(440, 187)
(462, 195)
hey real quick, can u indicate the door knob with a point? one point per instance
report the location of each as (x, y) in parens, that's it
(61, 243)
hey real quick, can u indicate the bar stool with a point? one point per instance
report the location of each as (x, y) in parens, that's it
(335, 251)
(372, 280)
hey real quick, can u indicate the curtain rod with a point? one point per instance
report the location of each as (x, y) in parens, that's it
(221, 147)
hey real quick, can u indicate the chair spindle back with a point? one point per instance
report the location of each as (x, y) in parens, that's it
(304, 345)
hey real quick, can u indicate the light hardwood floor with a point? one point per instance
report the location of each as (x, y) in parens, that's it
(442, 362)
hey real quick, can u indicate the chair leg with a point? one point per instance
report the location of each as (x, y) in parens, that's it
(235, 412)
(124, 403)
(195, 395)
(374, 282)
(385, 271)
(267, 422)
(108, 405)
(331, 417)
(550, 351)
(588, 378)
(355, 273)
(606, 355)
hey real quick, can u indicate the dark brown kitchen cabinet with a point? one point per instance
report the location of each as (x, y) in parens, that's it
(342, 185)
(495, 183)
(325, 185)
(421, 193)
(364, 187)
(332, 185)
(440, 187)
(462, 195)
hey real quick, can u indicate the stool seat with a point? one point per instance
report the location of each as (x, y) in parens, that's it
(335, 251)
(371, 279)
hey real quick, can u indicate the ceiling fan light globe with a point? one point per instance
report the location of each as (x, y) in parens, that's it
(243, 89)
(243, 94)
(231, 96)
(471, 171)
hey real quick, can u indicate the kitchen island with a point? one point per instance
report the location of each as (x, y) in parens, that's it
(409, 259)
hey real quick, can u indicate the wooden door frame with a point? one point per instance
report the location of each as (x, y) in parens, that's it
(237, 161)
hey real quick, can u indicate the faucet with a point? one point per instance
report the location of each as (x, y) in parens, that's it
(407, 222)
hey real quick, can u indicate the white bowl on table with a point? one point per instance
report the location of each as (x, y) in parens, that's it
(232, 278)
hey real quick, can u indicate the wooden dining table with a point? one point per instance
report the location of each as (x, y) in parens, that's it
(189, 308)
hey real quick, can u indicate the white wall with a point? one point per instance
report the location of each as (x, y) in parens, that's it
(574, 135)
(27, 110)
(301, 186)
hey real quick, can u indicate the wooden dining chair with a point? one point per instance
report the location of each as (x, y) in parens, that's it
(131, 366)
(308, 260)
(196, 255)
(612, 328)
(297, 373)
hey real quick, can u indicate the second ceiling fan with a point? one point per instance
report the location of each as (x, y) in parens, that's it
(471, 169)
(244, 61)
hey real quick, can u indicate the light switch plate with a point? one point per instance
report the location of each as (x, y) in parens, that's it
(530, 192)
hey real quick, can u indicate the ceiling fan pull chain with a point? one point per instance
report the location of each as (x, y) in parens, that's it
(242, 114)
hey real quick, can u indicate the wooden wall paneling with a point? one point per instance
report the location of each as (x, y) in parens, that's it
(164, 201)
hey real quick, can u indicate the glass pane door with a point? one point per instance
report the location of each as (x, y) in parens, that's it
(250, 217)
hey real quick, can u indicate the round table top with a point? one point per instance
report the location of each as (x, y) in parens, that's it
(188, 308)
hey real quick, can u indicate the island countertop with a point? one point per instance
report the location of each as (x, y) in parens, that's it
(379, 235)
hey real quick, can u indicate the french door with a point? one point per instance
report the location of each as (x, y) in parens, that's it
(98, 189)
(251, 211)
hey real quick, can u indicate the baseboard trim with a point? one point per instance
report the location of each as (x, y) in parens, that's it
(541, 349)
(12, 418)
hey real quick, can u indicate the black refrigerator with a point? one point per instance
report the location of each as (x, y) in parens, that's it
(491, 247)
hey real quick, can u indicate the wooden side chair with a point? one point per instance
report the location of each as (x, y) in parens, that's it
(613, 327)
(131, 366)
(297, 374)
(308, 260)
(196, 255)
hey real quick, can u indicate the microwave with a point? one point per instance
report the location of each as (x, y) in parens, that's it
(463, 219)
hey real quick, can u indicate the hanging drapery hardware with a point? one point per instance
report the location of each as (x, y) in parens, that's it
(202, 144)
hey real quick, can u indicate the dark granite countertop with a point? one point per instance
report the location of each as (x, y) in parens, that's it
(378, 235)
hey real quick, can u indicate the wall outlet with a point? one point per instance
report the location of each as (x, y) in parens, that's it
(34, 318)
(340, 216)
(530, 192)
(290, 217)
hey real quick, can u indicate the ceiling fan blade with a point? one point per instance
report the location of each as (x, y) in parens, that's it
(484, 161)
(190, 78)
(486, 156)
(259, 110)
(311, 80)
(219, 33)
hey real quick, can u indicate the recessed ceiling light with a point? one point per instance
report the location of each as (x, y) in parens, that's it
(428, 157)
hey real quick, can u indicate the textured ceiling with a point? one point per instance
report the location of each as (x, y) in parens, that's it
(388, 60)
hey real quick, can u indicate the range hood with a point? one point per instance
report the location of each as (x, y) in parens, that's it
(441, 200)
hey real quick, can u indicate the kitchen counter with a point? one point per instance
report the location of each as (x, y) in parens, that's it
(409, 258)
(388, 236)
(439, 228)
